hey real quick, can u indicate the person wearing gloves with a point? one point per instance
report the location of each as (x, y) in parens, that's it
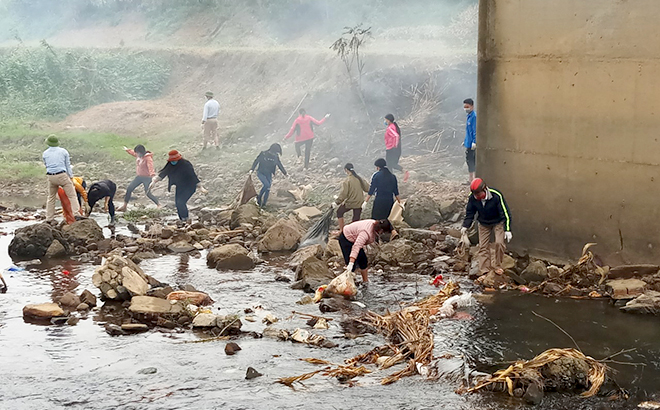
(180, 172)
(386, 188)
(304, 130)
(351, 195)
(144, 168)
(81, 192)
(355, 237)
(493, 215)
(393, 145)
(470, 141)
(266, 164)
(99, 190)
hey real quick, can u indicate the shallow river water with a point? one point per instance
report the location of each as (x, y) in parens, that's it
(82, 367)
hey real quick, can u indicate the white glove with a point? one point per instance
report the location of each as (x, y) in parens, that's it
(349, 267)
(464, 230)
(508, 236)
(364, 205)
(327, 116)
(203, 190)
(125, 148)
(251, 171)
(474, 146)
(334, 205)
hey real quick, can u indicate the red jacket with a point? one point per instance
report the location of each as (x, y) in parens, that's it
(304, 127)
(144, 166)
(391, 137)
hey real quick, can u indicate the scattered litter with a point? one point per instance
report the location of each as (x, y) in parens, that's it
(343, 285)
(269, 319)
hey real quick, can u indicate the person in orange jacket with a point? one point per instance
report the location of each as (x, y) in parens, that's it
(144, 168)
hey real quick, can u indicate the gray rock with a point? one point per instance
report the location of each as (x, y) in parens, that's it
(626, 288)
(231, 256)
(114, 330)
(55, 250)
(70, 299)
(147, 370)
(180, 247)
(535, 272)
(247, 213)
(72, 320)
(83, 232)
(231, 348)
(252, 374)
(31, 242)
(82, 307)
(533, 395)
(396, 252)
(88, 297)
(646, 303)
(149, 305)
(421, 211)
(312, 273)
(205, 320)
(134, 327)
(284, 235)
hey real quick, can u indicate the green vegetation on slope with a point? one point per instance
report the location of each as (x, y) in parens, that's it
(44, 82)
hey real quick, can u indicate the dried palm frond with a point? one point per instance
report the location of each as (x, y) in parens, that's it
(316, 361)
(346, 372)
(528, 372)
(372, 355)
(288, 381)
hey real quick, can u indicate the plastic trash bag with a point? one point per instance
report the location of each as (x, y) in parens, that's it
(343, 285)
(66, 206)
(248, 192)
(318, 234)
(396, 214)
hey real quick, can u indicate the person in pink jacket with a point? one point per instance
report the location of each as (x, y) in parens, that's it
(393, 145)
(355, 237)
(144, 168)
(302, 126)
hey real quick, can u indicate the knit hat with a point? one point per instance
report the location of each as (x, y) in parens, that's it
(174, 155)
(389, 117)
(209, 94)
(52, 141)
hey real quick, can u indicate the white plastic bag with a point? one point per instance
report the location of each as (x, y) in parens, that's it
(343, 285)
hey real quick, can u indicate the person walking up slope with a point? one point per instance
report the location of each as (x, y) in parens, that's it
(351, 195)
(493, 215)
(210, 121)
(393, 146)
(267, 163)
(144, 168)
(302, 126)
(59, 174)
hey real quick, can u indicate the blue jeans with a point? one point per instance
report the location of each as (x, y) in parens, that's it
(266, 181)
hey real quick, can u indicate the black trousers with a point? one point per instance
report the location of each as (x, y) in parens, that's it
(181, 198)
(140, 180)
(308, 149)
(392, 157)
(346, 247)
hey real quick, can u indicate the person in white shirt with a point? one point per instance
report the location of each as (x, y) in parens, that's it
(59, 174)
(210, 121)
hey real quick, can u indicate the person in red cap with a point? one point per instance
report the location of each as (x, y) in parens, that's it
(493, 215)
(182, 174)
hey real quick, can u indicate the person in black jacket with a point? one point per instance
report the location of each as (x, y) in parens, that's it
(102, 189)
(180, 172)
(493, 215)
(267, 163)
(386, 188)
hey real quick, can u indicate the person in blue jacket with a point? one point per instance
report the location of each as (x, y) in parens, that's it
(470, 141)
(386, 188)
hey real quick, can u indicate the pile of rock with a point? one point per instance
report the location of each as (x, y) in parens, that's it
(121, 279)
(60, 312)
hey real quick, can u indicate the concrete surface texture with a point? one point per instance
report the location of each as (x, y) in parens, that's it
(569, 123)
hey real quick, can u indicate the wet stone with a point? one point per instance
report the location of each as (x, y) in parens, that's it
(147, 370)
(114, 330)
(231, 348)
(252, 374)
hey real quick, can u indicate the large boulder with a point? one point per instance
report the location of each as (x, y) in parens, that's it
(232, 256)
(120, 279)
(396, 252)
(283, 236)
(55, 250)
(311, 274)
(421, 211)
(244, 214)
(536, 271)
(303, 254)
(151, 306)
(646, 303)
(626, 288)
(42, 311)
(83, 232)
(32, 242)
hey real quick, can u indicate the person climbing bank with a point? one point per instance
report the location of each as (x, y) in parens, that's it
(59, 174)
(144, 168)
(210, 121)
(493, 215)
(386, 188)
(99, 190)
(304, 130)
(393, 145)
(180, 173)
(355, 237)
(351, 195)
(266, 164)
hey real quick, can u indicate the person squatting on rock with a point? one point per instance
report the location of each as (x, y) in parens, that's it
(393, 145)
(267, 162)
(355, 237)
(144, 169)
(180, 173)
(386, 188)
(304, 130)
(210, 121)
(59, 174)
(470, 141)
(102, 189)
(493, 215)
(351, 195)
